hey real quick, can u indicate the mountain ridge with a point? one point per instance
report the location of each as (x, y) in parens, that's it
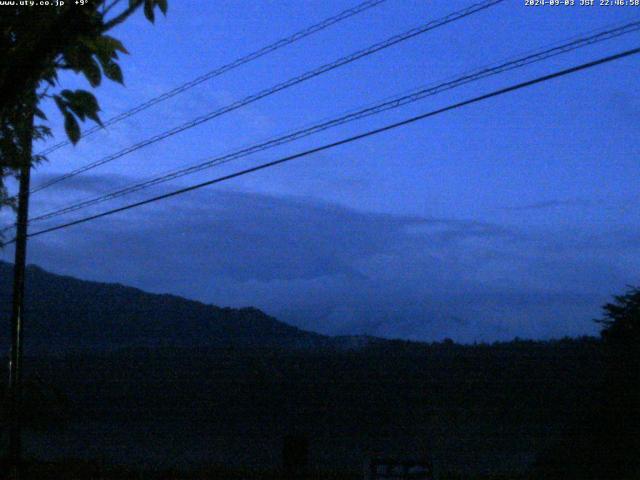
(91, 315)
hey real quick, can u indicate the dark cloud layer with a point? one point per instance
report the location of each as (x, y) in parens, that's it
(337, 270)
(554, 204)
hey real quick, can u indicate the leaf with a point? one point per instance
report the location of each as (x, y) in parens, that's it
(94, 116)
(104, 52)
(162, 4)
(62, 105)
(92, 72)
(41, 131)
(71, 103)
(89, 104)
(106, 48)
(83, 104)
(113, 72)
(148, 10)
(71, 127)
(80, 59)
(115, 44)
(39, 113)
(87, 99)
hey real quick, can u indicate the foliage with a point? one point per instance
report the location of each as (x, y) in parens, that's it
(35, 45)
(603, 442)
(622, 319)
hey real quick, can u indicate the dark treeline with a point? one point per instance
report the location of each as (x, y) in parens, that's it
(471, 407)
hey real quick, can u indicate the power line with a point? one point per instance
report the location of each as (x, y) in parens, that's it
(389, 104)
(354, 138)
(452, 17)
(227, 67)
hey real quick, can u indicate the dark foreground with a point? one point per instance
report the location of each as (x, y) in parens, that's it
(82, 470)
(475, 410)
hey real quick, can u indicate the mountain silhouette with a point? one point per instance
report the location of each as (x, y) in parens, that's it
(64, 314)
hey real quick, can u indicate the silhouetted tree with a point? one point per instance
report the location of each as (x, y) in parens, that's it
(621, 335)
(604, 444)
(622, 320)
(35, 44)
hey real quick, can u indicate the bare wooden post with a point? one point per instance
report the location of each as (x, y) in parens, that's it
(15, 362)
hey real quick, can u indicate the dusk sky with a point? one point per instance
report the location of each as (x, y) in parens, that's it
(516, 216)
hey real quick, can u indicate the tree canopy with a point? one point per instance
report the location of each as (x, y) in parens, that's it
(621, 322)
(36, 43)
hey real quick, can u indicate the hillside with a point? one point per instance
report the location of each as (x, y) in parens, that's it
(158, 380)
(66, 314)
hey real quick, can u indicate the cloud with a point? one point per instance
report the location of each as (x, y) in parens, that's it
(548, 204)
(246, 236)
(87, 183)
(337, 270)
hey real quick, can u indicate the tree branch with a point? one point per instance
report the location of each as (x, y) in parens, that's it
(106, 9)
(122, 16)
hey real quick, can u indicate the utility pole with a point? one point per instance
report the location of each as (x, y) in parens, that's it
(15, 362)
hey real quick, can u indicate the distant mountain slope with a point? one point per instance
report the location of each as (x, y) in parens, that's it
(64, 313)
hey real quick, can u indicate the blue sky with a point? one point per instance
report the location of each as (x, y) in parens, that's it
(512, 217)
